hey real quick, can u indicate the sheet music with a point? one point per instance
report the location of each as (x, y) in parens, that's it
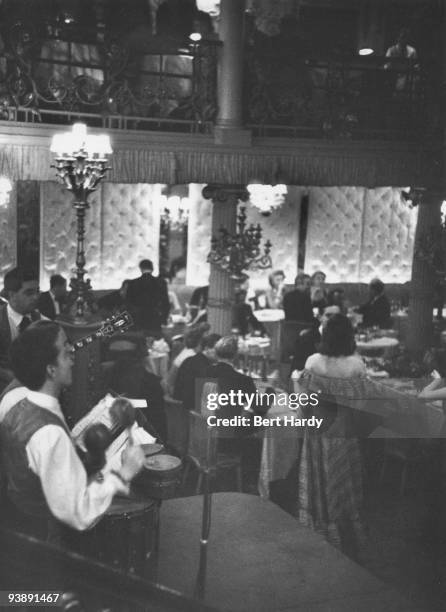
(101, 414)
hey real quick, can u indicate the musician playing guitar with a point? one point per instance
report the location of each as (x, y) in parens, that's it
(47, 484)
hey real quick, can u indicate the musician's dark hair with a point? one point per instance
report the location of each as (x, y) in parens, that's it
(338, 338)
(15, 278)
(192, 338)
(56, 280)
(32, 351)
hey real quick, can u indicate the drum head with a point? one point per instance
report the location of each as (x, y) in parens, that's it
(162, 462)
(151, 449)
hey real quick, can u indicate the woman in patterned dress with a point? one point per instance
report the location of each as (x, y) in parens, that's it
(330, 467)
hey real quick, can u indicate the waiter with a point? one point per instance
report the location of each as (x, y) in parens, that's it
(47, 485)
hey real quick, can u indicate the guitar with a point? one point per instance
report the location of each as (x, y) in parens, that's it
(117, 324)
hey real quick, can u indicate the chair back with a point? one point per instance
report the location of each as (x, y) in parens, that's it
(177, 426)
(202, 447)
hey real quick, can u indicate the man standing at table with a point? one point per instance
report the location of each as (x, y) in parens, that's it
(148, 300)
(297, 303)
(47, 485)
(22, 290)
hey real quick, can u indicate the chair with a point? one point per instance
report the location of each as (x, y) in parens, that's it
(177, 426)
(203, 452)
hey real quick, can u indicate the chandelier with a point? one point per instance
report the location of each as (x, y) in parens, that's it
(5, 190)
(81, 163)
(267, 197)
(175, 211)
(240, 251)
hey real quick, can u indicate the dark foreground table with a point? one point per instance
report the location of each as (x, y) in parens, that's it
(260, 558)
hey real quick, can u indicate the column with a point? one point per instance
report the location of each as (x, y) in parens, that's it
(221, 286)
(426, 257)
(228, 129)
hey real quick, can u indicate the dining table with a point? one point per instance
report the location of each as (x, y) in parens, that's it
(381, 345)
(271, 320)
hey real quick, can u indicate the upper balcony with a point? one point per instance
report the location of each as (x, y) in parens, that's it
(56, 75)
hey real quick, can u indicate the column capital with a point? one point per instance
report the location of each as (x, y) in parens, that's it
(223, 193)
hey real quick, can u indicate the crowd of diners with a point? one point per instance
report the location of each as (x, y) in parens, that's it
(46, 489)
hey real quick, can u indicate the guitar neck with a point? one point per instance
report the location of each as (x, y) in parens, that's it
(116, 325)
(86, 340)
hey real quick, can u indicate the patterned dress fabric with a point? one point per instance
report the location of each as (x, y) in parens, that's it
(330, 489)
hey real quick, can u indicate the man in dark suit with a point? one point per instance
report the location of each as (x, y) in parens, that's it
(297, 303)
(148, 300)
(52, 303)
(376, 311)
(192, 371)
(22, 289)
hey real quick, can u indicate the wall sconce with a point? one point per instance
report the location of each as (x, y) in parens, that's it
(5, 190)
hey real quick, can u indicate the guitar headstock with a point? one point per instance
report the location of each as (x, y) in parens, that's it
(117, 324)
(114, 325)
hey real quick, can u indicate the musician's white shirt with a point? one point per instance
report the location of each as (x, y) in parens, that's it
(53, 458)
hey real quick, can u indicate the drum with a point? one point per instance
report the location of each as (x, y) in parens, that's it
(125, 537)
(160, 476)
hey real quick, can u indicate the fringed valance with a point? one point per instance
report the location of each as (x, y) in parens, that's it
(318, 166)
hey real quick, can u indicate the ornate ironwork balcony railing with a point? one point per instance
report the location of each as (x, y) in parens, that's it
(353, 98)
(57, 77)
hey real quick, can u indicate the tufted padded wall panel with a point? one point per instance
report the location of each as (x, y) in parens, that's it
(388, 236)
(8, 233)
(58, 234)
(282, 229)
(130, 230)
(355, 234)
(198, 237)
(334, 232)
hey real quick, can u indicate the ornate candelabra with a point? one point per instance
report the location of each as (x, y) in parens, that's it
(241, 251)
(81, 163)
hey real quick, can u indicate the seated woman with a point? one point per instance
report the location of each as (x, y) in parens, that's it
(274, 295)
(318, 292)
(330, 467)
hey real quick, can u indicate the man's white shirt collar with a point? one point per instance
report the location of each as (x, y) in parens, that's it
(13, 315)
